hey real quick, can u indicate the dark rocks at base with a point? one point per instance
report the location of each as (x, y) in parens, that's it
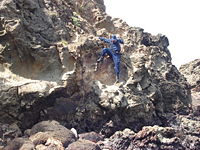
(8, 133)
(20, 144)
(46, 135)
(120, 140)
(158, 138)
(191, 143)
(151, 138)
(42, 137)
(50, 125)
(44, 130)
(184, 133)
(83, 145)
(91, 136)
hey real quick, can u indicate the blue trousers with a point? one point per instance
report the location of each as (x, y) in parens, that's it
(115, 57)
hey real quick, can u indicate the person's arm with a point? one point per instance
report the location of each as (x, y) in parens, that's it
(121, 41)
(105, 40)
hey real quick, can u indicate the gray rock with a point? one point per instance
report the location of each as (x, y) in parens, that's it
(83, 145)
(120, 140)
(191, 71)
(42, 137)
(8, 133)
(91, 136)
(44, 130)
(20, 144)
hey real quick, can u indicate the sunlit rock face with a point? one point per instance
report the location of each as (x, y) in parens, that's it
(48, 53)
(191, 72)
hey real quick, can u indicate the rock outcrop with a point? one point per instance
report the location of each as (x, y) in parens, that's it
(48, 53)
(152, 138)
(191, 72)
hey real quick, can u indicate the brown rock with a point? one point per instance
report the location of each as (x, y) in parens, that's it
(83, 145)
(91, 136)
(44, 130)
(120, 140)
(8, 132)
(41, 137)
(50, 125)
(20, 144)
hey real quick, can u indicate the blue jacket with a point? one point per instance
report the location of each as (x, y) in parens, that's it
(114, 42)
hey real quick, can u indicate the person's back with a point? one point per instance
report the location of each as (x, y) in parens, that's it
(114, 43)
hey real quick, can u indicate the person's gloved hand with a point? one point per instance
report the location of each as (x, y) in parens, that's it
(100, 38)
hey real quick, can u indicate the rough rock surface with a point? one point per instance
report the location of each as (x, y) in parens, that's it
(191, 71)
(48, 71)
(45, 135)
(83, 145)
(41, 132)
(20, 144)
(91, 136)
(152, 138)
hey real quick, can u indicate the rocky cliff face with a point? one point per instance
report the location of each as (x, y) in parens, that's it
(191, 71)
(48, 70)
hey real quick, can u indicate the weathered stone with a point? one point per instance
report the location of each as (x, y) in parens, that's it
(41, 132)
(191, 142)
(189, 126)
(8, 133)
(148, 138)
(51, 144)
(120, 140)
(20, 144)
(83, 145)
(91, 136)
(191, 71)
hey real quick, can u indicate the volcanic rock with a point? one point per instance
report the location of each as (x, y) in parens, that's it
(48, 53)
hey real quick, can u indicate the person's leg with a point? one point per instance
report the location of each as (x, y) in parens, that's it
(103, 53)
(116, 59)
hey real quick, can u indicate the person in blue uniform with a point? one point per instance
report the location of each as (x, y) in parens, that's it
(113, 51)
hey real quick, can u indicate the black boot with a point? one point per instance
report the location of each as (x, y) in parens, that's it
(100, 59)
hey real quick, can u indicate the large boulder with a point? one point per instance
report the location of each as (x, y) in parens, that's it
(45, 130)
